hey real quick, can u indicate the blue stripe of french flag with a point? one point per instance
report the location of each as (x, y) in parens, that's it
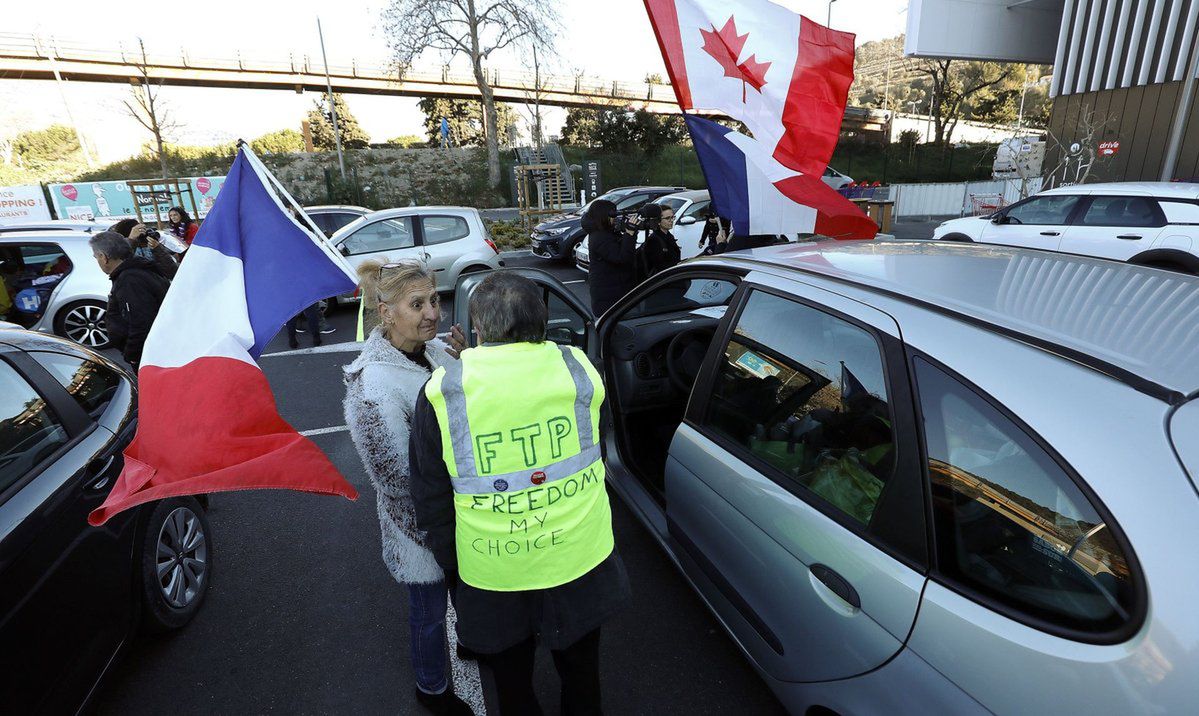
(207, 420)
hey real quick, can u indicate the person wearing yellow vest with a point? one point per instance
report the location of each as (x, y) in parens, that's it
(509, 485)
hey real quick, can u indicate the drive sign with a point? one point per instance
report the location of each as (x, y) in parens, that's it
(1107, 149)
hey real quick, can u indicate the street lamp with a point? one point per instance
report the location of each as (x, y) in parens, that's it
(829, 22)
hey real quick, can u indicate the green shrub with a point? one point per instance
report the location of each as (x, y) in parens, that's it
(507, 235)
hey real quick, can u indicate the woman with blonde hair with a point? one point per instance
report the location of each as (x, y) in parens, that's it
(382, 385)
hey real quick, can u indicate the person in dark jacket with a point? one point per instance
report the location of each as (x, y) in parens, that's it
(138, 289)
(611, 271)
(145, 244)
(717, 231)
(660, 250)
(502, 623)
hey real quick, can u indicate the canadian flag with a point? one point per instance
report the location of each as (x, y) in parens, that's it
(784, 76)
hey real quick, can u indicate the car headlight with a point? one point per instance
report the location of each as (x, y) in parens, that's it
(557, 232)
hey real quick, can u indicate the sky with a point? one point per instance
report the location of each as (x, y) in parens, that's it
(609, 38)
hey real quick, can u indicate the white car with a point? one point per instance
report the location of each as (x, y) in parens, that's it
(836, 179)
(1146, 223)
(51, 283)
(452, 240)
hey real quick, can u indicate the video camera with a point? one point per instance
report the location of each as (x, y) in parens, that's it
(642, 219)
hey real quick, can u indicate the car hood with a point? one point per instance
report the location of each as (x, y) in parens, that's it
(563, 221)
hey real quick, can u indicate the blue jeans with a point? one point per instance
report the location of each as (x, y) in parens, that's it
(426, 617)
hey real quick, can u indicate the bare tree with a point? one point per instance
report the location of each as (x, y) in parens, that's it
(149, 109)
(474, 29)
(953, 86)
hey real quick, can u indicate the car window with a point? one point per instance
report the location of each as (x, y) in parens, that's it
(29, 273)
(673, 202)
(698, 209)
(1010, 522)
(1043, 210)
(633, 201)
(1122, 211)
(710, 294)
(330, 222)
(91, 384)
(804, 392)
(566, 326)
(385, 235)
(1180, 212)
(441, 229)
(29, 432)
(828, 172)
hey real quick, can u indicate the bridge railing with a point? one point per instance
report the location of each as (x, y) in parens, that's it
(25, 45)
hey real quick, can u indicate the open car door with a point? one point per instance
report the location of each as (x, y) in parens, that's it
(570, 319)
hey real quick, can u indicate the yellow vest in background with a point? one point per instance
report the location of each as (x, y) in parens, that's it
(520, 437)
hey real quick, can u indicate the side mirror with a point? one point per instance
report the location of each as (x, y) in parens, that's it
(344, 250)
(562, 335)
(686, 221)
(999, 219)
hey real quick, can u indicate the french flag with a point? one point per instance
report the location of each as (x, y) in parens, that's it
(759, 195)
(207, 420)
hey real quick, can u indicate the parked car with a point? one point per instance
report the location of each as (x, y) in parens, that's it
(72, 595)
(556, 239)
(52, 284)
(331, 218)
(452, 240)
(836, 179)
(1147, 223)
(917, 477)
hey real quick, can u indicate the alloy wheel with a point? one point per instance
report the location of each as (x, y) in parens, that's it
(84, 324)
(182, 559)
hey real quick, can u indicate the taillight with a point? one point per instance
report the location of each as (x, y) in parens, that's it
(492, 245)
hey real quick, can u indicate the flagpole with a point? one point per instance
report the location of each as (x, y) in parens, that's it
(268, 179)
(341, 164)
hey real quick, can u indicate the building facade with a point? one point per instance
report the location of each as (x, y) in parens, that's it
(1121, 70)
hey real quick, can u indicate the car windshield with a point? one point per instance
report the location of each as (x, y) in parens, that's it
(613, 196)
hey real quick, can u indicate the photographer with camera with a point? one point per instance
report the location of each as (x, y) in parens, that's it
(147, 244)
(660, 250)
(613, 244)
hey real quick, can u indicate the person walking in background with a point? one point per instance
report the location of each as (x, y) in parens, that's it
(182, 226)
(138, 289)
(611, 270)
(312, 317)
(660, 250)
(717, 231)
(513, 499)
(145, 244)
(381, 389)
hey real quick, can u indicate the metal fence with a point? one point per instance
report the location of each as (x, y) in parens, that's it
(957, 198)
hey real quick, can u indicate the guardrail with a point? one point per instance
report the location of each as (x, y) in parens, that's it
(29, 46)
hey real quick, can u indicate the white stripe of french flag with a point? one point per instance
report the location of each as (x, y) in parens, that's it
(207, 420)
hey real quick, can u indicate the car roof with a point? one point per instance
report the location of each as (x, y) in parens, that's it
(57, 235)
(692, 195)
(25, 340)
(1134, 323)
(1171, 189)
(338, 207)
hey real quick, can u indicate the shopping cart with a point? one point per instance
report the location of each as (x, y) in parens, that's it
(985, 204)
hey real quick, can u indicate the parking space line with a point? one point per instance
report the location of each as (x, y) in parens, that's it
(330, 348)
(325, 431)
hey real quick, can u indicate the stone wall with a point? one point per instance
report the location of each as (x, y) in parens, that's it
(381, 178)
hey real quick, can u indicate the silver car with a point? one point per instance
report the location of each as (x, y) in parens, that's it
(452, 240)
(914, 477)
(51, 283)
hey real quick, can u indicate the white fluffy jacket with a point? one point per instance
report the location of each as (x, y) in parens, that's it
(382, 385)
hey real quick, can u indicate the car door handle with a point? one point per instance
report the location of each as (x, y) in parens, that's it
(837, 584)
(100, 468)
(1051, 233)
(1130, 237)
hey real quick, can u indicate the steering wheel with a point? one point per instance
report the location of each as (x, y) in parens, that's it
(685, 356)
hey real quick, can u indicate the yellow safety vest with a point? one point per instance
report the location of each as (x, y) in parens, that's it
(520, 437)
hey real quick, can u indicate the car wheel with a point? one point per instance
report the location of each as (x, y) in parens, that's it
(176, 563)
(958, 237)
(83, 322)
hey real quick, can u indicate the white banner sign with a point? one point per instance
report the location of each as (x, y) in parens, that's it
(23, 203)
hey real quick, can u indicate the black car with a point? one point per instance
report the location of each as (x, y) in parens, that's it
(72, 595)
(557, 238)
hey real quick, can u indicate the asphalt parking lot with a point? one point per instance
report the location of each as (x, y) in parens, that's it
(302, 617)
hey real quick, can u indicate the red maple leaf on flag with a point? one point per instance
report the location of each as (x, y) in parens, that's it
(725, 47)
